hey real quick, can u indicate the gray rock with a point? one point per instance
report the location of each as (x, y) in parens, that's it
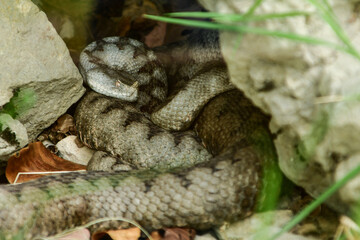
(205, 237)
(13, 135)
(35, 58)
(303, 88)
(71, 152)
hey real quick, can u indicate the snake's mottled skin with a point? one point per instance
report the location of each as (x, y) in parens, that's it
(187, 184)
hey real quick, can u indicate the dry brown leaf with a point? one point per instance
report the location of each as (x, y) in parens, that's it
(156, 36)
(36, 158)
(174, 234)
(122, 234)
(65, 124)
(63, 127)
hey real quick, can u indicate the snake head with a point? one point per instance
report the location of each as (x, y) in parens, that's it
(108, 67)
(112, 84)
(123, 68)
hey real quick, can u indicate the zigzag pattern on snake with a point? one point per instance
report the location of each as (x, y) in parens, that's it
(186, 185)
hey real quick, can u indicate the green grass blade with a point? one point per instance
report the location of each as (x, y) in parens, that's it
(330, 191)
(193, 23)
(323, 8)
(236, 17)
(252, 9)
(326, 13)
(198, 14)
(327, 5)
(263, 17)
(244, 29)
(291, 36)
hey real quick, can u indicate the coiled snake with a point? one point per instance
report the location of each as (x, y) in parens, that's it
(186, 185)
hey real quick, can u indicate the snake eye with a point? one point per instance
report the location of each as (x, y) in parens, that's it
(118, 83)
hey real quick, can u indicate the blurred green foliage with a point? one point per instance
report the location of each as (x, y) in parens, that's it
(75, 8)
(22, 101)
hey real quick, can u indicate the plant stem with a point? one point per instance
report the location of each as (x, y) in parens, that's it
(330, 191)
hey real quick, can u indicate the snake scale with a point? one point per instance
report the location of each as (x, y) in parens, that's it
(175, 180)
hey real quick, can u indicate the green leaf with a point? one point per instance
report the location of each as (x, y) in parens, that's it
(23, 100)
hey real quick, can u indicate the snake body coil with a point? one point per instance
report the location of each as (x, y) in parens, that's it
(186, 185)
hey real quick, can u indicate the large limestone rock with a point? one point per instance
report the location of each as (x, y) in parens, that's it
(34, 58)
(303, 88)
